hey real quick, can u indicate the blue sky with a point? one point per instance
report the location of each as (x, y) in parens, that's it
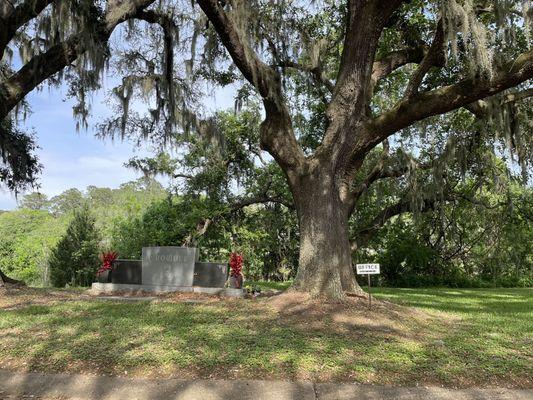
(70, 158)
(77, 159)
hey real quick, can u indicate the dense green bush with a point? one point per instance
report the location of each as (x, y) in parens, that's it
(164, 223)
(26, 239)
(485, 241)
(265, 235)
(75, 258)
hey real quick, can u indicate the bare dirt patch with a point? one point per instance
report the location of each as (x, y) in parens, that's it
(15, 296)
(297, 303)
(352, 314)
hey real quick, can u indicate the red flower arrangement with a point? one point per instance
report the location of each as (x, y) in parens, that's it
(107, 261)
(235, 264)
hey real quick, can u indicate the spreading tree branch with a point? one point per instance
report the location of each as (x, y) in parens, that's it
(12, 18)
(480, 108)
(381, 171)
(394, 60)
(277, 134)
(445, 99)
(435, 57)
(260, 199)
(364, 235)
(183, 176)
(315, 71)
(367, 233)
(517, 96)
(43, 66)
(204, 223)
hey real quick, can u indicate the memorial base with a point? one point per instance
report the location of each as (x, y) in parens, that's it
(98, 288)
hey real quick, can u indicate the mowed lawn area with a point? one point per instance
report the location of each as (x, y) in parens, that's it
(450, 337)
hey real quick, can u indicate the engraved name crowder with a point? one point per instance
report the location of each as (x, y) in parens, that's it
(368, 269)
(169, 258)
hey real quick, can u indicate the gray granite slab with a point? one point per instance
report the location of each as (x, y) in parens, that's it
(208, 274)
(127, 272)
(98, 288)
(168, 265)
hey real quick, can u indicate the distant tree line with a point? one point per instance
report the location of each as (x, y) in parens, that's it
(39, 234)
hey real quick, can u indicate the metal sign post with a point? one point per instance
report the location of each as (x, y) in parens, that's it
(368, 269)
(369, 294)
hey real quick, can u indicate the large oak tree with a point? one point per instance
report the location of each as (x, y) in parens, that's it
(369, 71)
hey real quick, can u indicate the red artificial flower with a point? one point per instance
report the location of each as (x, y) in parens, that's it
(235, 264)
(107, 261)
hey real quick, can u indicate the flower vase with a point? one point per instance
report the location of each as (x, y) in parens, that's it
(235, 282)
(104, 276)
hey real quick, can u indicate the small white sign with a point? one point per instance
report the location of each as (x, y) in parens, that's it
(367, 269)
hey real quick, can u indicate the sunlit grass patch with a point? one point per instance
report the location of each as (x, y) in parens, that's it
(461, 338)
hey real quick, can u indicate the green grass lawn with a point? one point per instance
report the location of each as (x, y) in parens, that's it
(496, 330)
(451, 337)
(268, 285)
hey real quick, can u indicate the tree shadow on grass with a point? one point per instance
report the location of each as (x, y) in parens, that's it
(108, 338)
(245, 339)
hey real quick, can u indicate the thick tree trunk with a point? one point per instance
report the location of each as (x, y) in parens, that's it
(325, 265)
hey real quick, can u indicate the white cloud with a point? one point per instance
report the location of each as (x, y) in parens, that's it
(96, 163)
(7, 200)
